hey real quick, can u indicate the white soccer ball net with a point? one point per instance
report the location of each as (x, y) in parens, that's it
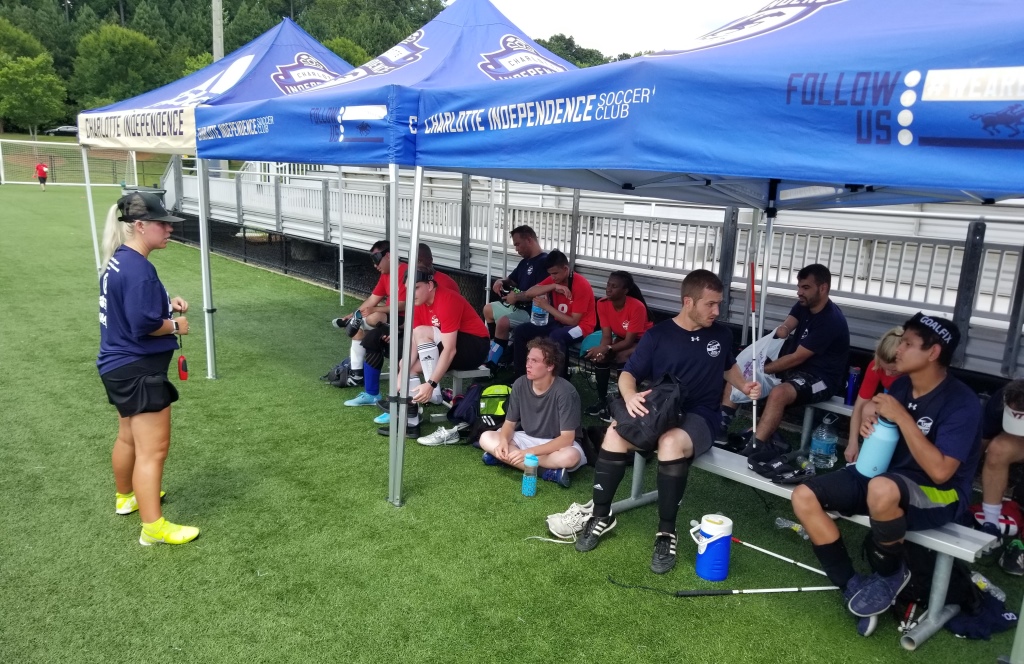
(18, 161)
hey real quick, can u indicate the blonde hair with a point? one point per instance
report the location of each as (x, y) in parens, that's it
(115, 233)
(885, 350)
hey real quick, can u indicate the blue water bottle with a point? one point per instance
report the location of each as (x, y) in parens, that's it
(877, 449)
(530, 463)
(851, 385)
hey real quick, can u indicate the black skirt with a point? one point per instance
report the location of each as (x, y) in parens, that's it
(141, 386)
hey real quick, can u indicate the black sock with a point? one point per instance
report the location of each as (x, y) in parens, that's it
(835, 561)
(671, 485)
(608, 473)
(490, 329)
(602, 374)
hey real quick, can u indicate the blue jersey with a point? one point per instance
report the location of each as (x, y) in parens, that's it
(950, 417)
(697, 359)
(133, 303)
(827, 335)
(530, 272)
(992, 420)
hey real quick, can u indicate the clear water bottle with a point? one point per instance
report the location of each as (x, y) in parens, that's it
(823, 443)
(530, 463)
(987, 586)
(792, 525)
(538, 316)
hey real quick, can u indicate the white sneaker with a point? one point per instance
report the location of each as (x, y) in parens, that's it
(442, 436)
(570, 522)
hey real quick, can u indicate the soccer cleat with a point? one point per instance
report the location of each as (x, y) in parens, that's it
(354, 379)
(866, 626)
(411, 431)
(126, 503)
(559, 476)
(878, 593)
(600, 411)
(566, 524)
(383, 404)
(362, 399)
(1012, 560)
(442, 436)
(594, 528)
(163, 531)
(853, 586)
(383, 418)
(340, 323)
(664, 557)
(490, 460)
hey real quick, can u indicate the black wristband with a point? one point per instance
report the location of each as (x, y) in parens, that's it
(432, 383)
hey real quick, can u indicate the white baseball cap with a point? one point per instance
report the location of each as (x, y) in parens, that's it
(1013, 421)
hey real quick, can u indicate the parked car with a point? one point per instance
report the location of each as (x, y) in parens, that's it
(63, 130)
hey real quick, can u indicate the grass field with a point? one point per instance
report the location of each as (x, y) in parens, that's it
(301, 559)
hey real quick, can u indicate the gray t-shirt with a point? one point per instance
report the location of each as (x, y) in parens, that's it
(546, 415)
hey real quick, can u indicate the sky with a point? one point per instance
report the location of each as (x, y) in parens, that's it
(624, 26)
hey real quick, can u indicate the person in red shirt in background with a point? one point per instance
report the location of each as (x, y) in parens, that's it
(571, 311)
(448, 334)
(624, 319)
(42, 171)
(880, 375)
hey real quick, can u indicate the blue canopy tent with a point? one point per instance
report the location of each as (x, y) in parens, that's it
(281, 62)
(368, 118)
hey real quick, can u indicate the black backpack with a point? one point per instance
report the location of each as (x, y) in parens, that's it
(664, 412)
(339, 373)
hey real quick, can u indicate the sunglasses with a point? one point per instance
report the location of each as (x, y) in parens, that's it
(377, 257)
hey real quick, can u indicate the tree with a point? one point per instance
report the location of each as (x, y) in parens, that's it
(250, 22)
(115, 63)
(85, 21)
(348, 50)
(17, 43)
(150, 21)
(567, 49)
(31, 93)
(194, 63)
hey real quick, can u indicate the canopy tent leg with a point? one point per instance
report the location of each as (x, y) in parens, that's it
(490, 245)
(504, 229)
(92, 210)
(341, 238)
(204, 260)
(395, 439)
(770, 212)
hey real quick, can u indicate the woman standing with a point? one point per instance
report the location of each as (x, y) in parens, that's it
(137, 340)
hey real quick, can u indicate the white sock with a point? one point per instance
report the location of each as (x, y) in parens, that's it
(428, 360)
(992, 513)
(414, 382)
(357, 354)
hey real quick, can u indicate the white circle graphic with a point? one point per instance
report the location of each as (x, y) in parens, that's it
(905, 137)
(905, 117)
(912, 78)
(908, 98)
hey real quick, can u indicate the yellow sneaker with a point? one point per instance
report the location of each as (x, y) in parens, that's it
(165, 532)
(126, 503)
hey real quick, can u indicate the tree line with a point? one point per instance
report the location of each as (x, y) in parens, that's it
(58, 57)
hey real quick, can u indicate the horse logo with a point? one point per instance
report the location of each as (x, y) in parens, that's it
(305, 73)
(1011, 117)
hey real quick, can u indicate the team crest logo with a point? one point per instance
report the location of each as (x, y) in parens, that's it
(714, 348)
(804, 335)
(798, 381)
(625, 326)
(516, 59)
(529, 270)
(305, 73)
(433, 321)
(925, 425)
(403, 54)
(776, 15)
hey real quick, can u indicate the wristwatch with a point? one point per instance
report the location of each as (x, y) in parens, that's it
(432, 383)
(175, 324)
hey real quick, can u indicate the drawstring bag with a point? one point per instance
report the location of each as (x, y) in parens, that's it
(664, 412)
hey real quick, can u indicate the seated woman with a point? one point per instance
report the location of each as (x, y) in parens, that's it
(880, 375)
(624, 319)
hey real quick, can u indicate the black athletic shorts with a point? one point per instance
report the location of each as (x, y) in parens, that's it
(42, 180)
(470, 351)
(809, 388)
(142, 386)
(846, 491)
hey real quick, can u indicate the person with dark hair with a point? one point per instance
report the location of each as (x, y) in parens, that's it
(512, 310)
(542, 418)
(447, 334)
(370, 345)
(697, 351)
(812, 363)
(568, 298)
(624, 319)
(927, 483)
(137, 339)
(1003, 431)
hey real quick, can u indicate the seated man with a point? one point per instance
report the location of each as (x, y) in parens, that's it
(548, 408)
(371, 343)
(927, 483)
(812, 363)
(572, 313)
(508, 312)
(624, 319)
(1003, 428)
(698, 352)
(447, 334)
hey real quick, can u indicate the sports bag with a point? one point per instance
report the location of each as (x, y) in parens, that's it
(664, 412)
(339, 374)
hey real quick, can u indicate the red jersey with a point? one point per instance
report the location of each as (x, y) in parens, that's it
(383, 287)
(872, 378)
(632, 318)
(582, 301)
(42, 170)
(450, 312)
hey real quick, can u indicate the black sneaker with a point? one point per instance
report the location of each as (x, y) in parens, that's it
(593, 529)
(1012, 560)
(411, 431)
(340, 323)
(600, 411)
(664, 558)
(355, 379)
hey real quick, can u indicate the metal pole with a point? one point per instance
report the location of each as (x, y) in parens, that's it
(770, 212)
(204, 260)
(179, 183)
(967, 288)
(92, 211)
(135, 169)
(753, 247)
(3, 177)
(574, 229)
(490, 244)
(218, 29)
(504, 230)
(727, 256)
(394, 441)
(1012, 348)
(465, 254)
(341, 237)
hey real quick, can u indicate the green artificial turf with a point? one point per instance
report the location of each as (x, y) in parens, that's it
(301, 558)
